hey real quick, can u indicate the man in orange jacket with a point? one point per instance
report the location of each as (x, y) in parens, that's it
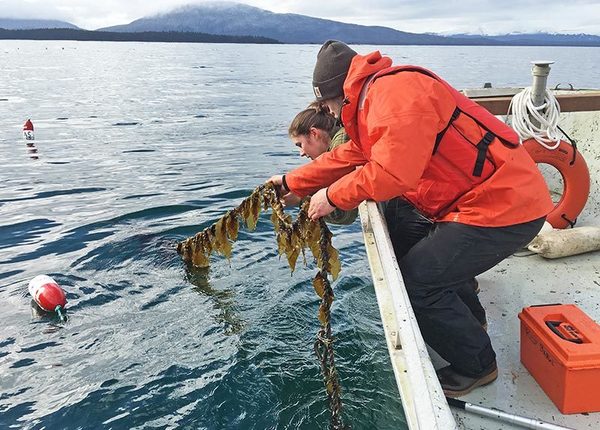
(464, 194)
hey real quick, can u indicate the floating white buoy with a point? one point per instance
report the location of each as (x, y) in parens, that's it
(562, 243)
(48, 295)
(28, 130)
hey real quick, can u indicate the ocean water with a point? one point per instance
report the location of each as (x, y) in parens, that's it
(139, 146)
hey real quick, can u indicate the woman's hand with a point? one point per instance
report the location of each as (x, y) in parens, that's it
(286, 197)
(319, 205)
(277, 181)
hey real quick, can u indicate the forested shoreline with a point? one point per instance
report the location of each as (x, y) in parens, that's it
(110, 36)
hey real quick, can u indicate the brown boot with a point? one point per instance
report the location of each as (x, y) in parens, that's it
(455, 384)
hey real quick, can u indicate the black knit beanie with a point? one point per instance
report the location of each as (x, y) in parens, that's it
(331, 69)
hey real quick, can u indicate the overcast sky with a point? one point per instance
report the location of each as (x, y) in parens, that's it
(417, 16)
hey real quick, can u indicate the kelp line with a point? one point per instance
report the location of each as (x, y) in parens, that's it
(293, 237)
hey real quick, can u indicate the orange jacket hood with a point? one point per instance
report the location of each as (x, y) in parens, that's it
(361, 68)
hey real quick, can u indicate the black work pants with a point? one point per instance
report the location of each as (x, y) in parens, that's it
(439, 262)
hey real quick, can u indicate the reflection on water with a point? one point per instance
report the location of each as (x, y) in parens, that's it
(50, 320)
(224, 300)
(32, 150)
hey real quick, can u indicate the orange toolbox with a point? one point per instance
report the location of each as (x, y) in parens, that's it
(560, 347)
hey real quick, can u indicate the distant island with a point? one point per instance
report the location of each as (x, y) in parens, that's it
(229, 22)
(143, 36)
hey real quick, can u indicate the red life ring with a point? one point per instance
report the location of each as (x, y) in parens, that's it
(576, 179)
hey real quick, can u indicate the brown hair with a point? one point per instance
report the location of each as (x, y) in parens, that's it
(315, 115)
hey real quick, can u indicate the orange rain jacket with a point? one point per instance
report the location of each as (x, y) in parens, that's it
(393, 135)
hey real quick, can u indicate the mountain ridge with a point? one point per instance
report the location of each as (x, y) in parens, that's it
(30, 24)
(237, 19)
(557, 38)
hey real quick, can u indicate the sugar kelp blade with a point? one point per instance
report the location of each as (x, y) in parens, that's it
(199, 255)
(275, 220)
(294, 248)
(311, 236)
(324, 314)
(292, 258)
(319, 284)
(185, 250)
(251, 210)
(222, 243)
(232, 224)
(284, 239)
(330, 386)
(334, 261)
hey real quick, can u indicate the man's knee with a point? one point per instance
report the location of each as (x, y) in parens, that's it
(425, 296)
(419, 271)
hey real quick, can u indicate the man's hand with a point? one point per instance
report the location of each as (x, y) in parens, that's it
(319, 205)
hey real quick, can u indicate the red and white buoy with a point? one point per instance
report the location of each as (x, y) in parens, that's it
(28, 130)
(48, 295)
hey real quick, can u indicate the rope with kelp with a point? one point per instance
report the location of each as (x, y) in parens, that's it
(293, 238)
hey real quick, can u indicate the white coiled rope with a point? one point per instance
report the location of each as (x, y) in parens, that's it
(526, 116)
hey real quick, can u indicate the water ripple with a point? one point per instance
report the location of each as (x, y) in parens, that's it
(48, 194)
(25, 232)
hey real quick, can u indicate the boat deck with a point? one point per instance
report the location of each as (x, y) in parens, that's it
(516, 283)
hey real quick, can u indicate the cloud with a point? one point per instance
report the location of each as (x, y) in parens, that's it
(89, 14)
(30, 9)
(466, 16)
(418, 16)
